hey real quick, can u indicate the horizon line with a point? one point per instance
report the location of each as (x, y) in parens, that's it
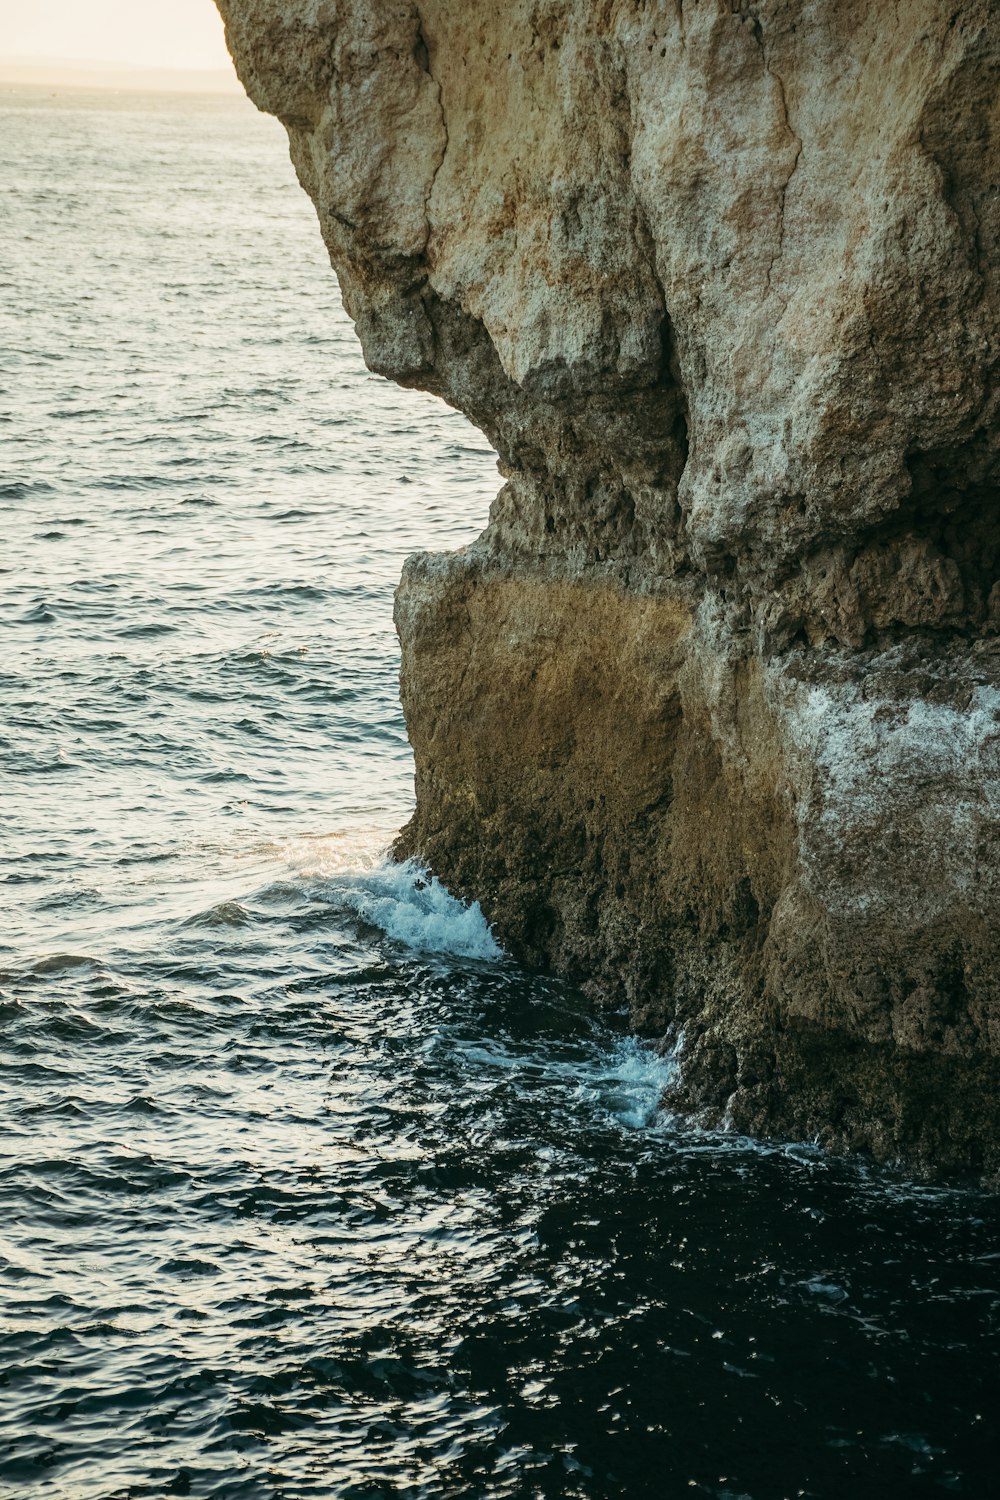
(105, 73)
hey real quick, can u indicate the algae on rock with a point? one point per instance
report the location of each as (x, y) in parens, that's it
(709, 717)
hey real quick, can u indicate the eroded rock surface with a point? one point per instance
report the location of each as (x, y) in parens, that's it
(709, 717)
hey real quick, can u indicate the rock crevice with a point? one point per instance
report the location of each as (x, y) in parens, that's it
(709, 717)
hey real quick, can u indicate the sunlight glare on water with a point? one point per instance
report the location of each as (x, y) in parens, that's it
(309, 1190)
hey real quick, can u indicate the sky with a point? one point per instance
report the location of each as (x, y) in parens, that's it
(139, 33)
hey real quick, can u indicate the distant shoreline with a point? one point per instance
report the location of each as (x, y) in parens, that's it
(57, 74)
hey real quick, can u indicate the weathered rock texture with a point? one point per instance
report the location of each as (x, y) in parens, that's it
(709, 717)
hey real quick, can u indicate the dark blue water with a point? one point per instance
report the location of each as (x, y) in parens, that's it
(306, 1190)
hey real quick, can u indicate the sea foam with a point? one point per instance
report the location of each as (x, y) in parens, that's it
(628, 1082)
(408, 904)
(415, 909)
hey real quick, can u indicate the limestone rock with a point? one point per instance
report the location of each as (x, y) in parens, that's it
(709, 717)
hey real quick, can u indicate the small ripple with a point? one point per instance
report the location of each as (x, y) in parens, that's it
(25, 489)
(225, 914)
(39, 614)
(150, 630)
(61, 963)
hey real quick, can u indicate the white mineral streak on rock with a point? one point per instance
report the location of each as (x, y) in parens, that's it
(709, 716)
(908, 787)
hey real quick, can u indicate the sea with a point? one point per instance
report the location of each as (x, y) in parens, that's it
(306, 1188)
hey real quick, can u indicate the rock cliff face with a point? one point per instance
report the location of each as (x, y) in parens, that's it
(709, 717)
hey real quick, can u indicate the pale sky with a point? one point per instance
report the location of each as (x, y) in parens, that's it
(144, 33)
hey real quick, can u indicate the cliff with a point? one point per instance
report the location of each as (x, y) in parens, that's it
(709, 717)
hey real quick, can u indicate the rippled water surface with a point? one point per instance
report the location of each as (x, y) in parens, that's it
(306, 1189)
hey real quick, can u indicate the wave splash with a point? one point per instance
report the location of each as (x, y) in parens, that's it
(403, 900)
(630, 1081)
(415, 909)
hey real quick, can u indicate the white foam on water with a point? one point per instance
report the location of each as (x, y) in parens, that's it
(629, 1081)
(409, 905)
(415, 909)
(624, 1079)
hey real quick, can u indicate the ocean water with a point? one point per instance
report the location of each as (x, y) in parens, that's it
(307, 1189)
